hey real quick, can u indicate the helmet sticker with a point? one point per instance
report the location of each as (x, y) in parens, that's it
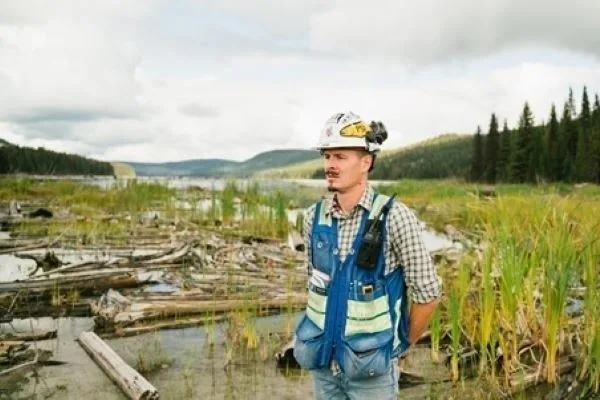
(358, 129)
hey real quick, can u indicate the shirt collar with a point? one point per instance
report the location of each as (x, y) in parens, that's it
(366, 201)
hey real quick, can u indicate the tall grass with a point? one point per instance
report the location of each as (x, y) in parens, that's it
(487, 304)
(435, 328)
(591, 327)
(131, 197)
(456, 308)
(536, 248)
(514, 269)
(560, 260)
(228, 195)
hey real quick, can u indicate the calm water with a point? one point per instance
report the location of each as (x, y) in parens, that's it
(209, 183)
(193, 369)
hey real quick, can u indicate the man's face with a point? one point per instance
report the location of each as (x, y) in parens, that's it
(345, 168)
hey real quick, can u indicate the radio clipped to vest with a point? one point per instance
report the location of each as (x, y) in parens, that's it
(373, 238)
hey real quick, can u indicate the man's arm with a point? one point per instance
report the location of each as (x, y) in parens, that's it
(309, 214)
(422, 280)
(420, 316)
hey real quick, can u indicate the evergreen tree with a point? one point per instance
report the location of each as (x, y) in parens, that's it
(504, 156)
(537, 169)
(595, 143)
(553, 147)
(521, 165)
(477, 160)
(583, 155)
(571, 104)
(492, 149)
(567, 144)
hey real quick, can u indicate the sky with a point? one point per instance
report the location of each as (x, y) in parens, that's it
(156, 81)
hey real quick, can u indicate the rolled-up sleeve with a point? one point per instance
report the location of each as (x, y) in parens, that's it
(408, 244)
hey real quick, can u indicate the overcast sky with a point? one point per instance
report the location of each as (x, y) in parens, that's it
(162, 80)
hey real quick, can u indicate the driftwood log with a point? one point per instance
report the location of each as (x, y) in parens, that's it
(175, 324)
(134, 385)
(28, 336)
(161, 309)
(98, 280)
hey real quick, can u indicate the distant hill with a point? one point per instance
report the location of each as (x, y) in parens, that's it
(26, 160)
(217, 168)
(446, 155)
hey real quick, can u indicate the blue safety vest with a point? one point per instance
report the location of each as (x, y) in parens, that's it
(356, 316)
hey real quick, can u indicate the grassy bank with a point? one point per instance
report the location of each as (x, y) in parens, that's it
(525, 297)
(86, 209)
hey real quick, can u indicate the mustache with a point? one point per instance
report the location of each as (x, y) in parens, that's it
(331, 172)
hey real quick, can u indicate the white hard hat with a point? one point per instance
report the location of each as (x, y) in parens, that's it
(346, 130)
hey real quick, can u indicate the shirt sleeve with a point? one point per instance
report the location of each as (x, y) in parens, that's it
(406, 239)
(309, 215)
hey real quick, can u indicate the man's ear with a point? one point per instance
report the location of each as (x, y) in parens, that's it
(366, 161)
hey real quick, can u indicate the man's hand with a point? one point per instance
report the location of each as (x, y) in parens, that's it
(420, 316)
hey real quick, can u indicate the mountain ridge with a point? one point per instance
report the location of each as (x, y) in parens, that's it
(217, 167)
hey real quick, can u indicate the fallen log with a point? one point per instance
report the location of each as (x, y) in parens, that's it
(176, 324)
(152, 310)
(38, 245)
(115, 279)
(28, 336)
(134, 385)
(169, 258)
(10, 346)
(69, 268)
(520, 382)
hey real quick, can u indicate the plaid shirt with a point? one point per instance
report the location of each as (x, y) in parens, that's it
(403, 247)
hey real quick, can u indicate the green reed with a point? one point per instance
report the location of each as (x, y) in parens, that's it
(487, 306)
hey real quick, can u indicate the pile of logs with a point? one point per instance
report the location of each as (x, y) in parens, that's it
(211, 275)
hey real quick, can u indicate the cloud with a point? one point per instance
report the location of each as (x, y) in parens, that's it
(437, 31)
(198, 110)
(163, 81)
(62, 69)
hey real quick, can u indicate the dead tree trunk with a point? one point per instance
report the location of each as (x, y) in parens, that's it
(134, 385)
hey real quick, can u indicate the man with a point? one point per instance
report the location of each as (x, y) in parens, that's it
(365, 253)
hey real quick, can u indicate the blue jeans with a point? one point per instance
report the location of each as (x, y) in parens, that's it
(338, 387)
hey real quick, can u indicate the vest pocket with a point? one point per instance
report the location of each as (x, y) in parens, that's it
(368, 333)
(368, 311)
(367, 356)
(308, 347)
(322, 252)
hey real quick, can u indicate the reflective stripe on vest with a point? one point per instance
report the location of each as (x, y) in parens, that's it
(398, 316)
(316, 307)
(324, 215)
(368, 316)
(378, 204)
